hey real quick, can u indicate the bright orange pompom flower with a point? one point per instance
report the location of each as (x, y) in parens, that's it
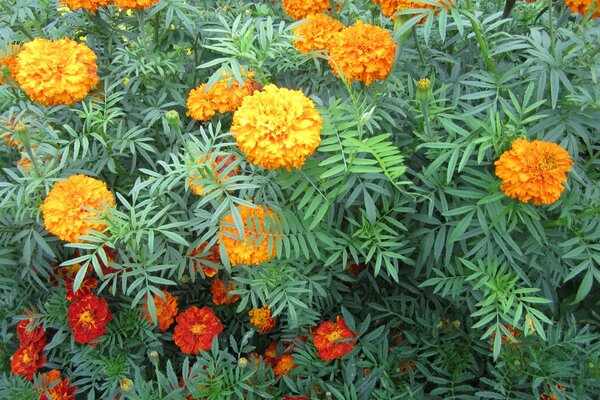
(389, 7)
(218, 166)
(135, 4)
(277, 128)
(299, 9)
(28, 359)
(90, 5)
(88, 317)
(67, 209)
(8, 60)
(533, 171)
(196, 329)
(213, 256)
(284, 365)
(262, 319)
(362, 53)
(316, 33)
(55, 387)
(56, 72)
(583, 6)
(166, 310)
(333, 340)
(248, 251)
(220, 295)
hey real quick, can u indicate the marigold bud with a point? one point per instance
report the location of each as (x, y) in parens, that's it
(243, 362)
(184, 279)
(172, 118)
(126, 385)
(424, 90)
(153, 355)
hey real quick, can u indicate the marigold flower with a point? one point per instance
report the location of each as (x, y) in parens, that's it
(56, 72)
(533, 171)
(270, 354)
(362, 53)
(30, 331)
(8, 59)
(218, 166)
(88, 317)
(389, 7)
(214, 256)
(72, 204)
(28, 359)
(57, 389)
(248, 251)
(196, 329)
(220, 295)
(583, 6)
(135, 4)
(166, 310)
(85, 289)
(331, 339)
(284, 365)
(277, 128)
(316, 33)
(299, 9)
(262, 319)
(90, 5)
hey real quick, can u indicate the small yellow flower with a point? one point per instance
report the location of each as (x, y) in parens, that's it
(125, 81)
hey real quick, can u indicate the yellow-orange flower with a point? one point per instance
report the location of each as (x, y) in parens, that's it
(299, 9)
(389, 7)
(8, 61)
(316, 33)
(56, 72)
(71, 207)
(362, 53)
(220, 294)
(213, 256)
(283, 365)
(277, 128)
(582, 7)
(90, 5)
(248, 251)
(218, 166)
(262, 319)
(533, 171)
(135, 4)
(166, 310)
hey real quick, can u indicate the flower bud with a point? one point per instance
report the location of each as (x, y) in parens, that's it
(153, 355)
(172, 118)
(243, 362)
(184, 279)
(424, 90)
(126, 385)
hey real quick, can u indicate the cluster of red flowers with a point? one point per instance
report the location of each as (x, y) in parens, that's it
(281, 365)
(30, 355)
(54, 388)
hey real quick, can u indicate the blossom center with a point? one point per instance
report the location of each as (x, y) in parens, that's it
(335, 335)
(86, 319)
(547, 164)
(26, 358)
(197, 329)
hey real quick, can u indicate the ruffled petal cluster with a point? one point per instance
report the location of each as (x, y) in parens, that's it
(56, 72)
(218, 167)
(389, 7)
(54, 388)
(300, 9)
(362, 53)
(534, 171)
(316, 33)
(87, 318)
(90, 5)
(333, 339)
(284, 365)
(220, 294)
(135, 4)
(196, 329)
(85, 289)
(30, 355)
(277, 128)
(262, 319)
(8, 62)
(166, 310)
(582, 7)
(248, 250)
(214, 256)
(71, 208)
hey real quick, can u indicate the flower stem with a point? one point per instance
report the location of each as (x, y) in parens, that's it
(482, 44)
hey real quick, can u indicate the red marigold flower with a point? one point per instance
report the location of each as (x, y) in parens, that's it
(166, 310)
(87, 317)
(331, 339)
(55, 387)
(284, 365)
(261, 318)
(213, 256)
(270, 354)
(196, 329)
(220, 295)
(27, 359)
(85, 290)
(30, 331)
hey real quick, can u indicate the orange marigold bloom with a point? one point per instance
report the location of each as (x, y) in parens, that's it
(66, 209)
(362, 53)
(331, 339)
(135, 4)
(583, 6)
(166, 310)
(316, 33)
(284, 365)
(270, 355)
(261, 318)
(299, 9)
(30, 331)
(88, 317)
(389, 7)
(55, 387)
(90, 5)
(214, 256)
(56, 72)
(8, 59)
(27, 359)
(196, 329)
(277, 128)
(220, 295)
(218, 167)
(248, 251)
(533, 171)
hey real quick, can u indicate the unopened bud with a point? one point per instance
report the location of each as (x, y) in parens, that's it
(424, 90)
(153, 355)
(126, 385)
(328, 395)
(184, 279)
(243, 362)
(172, 118)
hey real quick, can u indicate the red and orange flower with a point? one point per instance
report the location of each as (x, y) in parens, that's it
(51, 384)
(166, 310)
(262, 319)
(196, 329)
(283, 365)
(214, 256)
(220, 295)
(333, 339)
(30, 331)
(28, 359)
(88, 317)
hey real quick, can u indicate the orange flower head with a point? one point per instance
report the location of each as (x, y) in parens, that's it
(30, 331)
(389, 7)
(248, 251)
(196, 329)
(90, 5)
(71, 206)
(57, 389)
(220, 295)
(362, 53)
(284, 365)
(88, 317)
(135, 4)
(300, 9)
(214, 256)
(166, 310)
(218, 167)
(533, 171)
(316, 33)
(331, 339)
(56, 72)
(8, 60)
(28, 359)
(277, 128)
(583, 6)
(262, 319)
